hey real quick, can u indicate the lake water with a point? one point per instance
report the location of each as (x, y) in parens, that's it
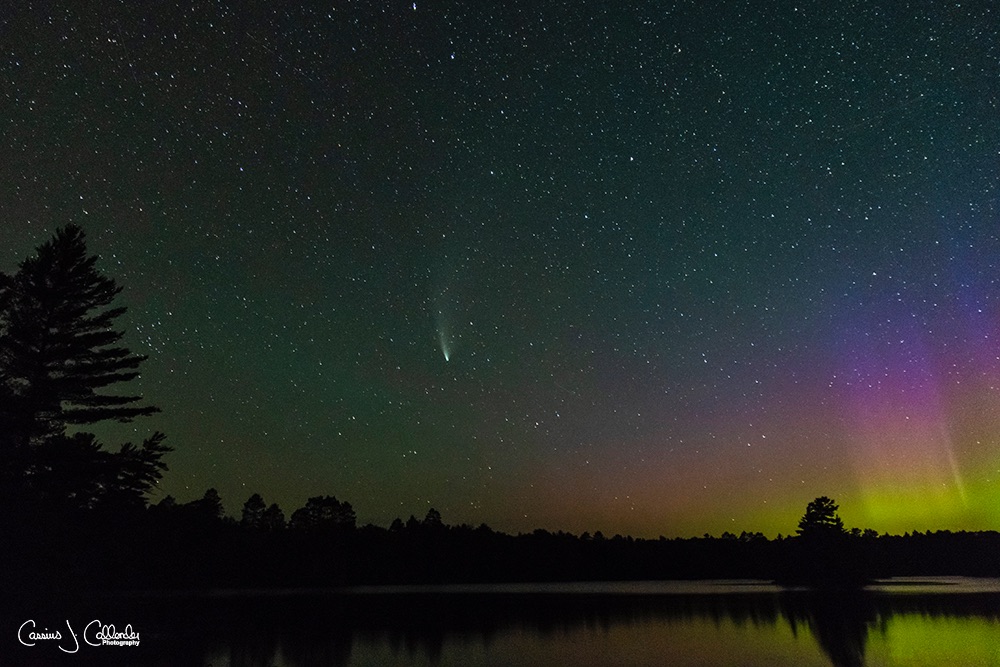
(903, 622)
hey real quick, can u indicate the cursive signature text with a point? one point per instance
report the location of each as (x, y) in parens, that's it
(107, 635)
(95, 633)
(27, 635)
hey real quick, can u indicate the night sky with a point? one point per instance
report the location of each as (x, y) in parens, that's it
(673, 269)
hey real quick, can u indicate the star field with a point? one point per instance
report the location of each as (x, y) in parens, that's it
(670, 269)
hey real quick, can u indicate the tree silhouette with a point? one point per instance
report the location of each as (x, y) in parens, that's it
(57, 344)
(136, 470)
(59, 353)
(433, 520)
(273, 518)
(828, 556)
(209, 506)
(258, 516)
(821, 520)
(324, 513)
(253, 512)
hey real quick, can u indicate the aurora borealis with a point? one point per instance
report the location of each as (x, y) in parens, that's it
(671, 269)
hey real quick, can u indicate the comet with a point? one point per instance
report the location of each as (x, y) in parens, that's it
(443, 343)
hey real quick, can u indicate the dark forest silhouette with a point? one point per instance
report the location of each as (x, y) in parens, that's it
(77, 514)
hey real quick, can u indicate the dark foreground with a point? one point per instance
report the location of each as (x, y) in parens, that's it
(153, 549)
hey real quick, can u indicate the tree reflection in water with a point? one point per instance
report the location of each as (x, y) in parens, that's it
(434, 627)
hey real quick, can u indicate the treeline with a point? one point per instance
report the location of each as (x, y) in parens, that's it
(321, 545)
(195, 546)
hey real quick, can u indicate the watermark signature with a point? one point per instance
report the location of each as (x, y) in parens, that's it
(95, 633)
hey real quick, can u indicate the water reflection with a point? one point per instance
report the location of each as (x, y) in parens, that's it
(636, 624)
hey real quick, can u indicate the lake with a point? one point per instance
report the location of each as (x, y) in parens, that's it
(933, 621)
